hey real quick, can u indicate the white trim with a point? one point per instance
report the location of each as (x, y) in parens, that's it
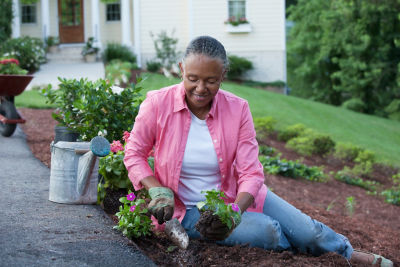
(16, 22)
(241, 28)
(284, 64)
(136, 18)
(45, 10)
(190, 17)
(125, 23)
(96, 23)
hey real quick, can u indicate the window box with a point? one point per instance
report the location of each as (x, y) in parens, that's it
(241, 28)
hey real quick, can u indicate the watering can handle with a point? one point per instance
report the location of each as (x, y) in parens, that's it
(85, 169)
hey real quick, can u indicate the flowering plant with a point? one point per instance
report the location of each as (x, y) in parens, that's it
(113, 170)
(234, 21)
(133, 216)
(11, 66)
(227, 213)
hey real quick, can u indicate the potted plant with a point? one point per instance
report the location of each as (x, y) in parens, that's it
(91, 108)
(89, 51)
(13, 80)
(52, 44)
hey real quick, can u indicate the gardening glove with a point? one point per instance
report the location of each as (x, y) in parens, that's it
(161, 205)
(211, 227)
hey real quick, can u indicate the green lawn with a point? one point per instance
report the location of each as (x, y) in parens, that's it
(31, 99)
(374, 133)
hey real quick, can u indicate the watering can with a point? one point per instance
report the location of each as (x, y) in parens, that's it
(74, 170)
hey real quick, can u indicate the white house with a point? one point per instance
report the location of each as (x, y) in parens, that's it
(130, 22)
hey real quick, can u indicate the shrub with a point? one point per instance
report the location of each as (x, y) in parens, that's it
(118, 51)
(355, 104)
(6, 16)
(29, 52)
(323, 144)
(166, 50)
(392, 195)
(347, 151)
(310, 142)
(119, 72)
(264, 127)
(291, 131)
(266, 150)
(301, 144)
(153, 66)
(393, 110)
(91, 108)
(238, 66)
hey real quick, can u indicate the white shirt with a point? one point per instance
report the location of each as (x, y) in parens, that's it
(200, 170)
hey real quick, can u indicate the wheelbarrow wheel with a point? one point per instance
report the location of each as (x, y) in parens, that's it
(8, 110)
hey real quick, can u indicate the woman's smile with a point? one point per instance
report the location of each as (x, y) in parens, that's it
(202, 77)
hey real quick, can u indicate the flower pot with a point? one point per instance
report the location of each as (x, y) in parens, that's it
(90, 58)
(63, 133)
(53, 49)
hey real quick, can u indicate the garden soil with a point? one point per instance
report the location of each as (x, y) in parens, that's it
(374, 225)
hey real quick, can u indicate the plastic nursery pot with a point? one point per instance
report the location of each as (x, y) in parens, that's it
(63, 133)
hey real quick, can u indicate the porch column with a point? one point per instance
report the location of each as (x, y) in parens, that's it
(45, 18)
(136, 18)
(96, 23)
(126, 23)
(16, 25)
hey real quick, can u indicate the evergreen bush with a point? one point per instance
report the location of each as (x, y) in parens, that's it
(238, 66)
(118, 51)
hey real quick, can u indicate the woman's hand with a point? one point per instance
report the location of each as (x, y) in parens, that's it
(212, 228)
(161, 205)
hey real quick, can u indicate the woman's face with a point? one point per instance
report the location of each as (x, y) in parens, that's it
(202, 77)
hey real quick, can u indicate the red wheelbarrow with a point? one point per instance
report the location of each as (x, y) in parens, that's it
(11, 86)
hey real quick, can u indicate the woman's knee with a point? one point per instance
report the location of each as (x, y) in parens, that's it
(258, 230)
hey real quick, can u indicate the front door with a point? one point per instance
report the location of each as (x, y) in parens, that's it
(70, 14)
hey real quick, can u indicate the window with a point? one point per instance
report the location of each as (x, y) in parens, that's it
(28, 13)
(237, 9)
(113, 12)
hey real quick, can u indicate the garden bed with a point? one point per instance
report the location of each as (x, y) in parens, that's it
(374, 225)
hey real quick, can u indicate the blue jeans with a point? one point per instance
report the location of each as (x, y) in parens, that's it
(280, 227)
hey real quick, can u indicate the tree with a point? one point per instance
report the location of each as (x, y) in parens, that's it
(346, 51)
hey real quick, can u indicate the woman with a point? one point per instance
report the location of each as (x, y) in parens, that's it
(204, 138)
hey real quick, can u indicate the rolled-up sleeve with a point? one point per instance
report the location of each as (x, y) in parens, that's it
(248, 167)
(140, 143)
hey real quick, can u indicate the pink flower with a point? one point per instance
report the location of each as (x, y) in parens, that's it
(131, 197)
(116, 146)
(235, 207)
(132, 208)
(126, 136)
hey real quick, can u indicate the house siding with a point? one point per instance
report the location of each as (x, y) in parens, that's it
(168, 15)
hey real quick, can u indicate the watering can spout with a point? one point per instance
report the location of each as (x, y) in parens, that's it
(99, 147)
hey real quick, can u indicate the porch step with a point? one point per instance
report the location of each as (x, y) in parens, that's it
(66, 53)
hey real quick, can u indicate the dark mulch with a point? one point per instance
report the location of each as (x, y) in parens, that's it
(374, 226)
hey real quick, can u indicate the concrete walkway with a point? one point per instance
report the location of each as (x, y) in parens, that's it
(49, 72)
(37, 232)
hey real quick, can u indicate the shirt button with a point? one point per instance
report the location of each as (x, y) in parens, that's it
(220, 159)
(223, 176)
(215, 140)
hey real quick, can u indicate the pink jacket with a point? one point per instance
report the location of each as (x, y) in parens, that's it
(163, 122)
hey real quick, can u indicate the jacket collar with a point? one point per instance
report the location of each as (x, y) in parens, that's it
(180, 101)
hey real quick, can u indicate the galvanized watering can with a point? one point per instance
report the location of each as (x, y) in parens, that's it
(74, 170)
